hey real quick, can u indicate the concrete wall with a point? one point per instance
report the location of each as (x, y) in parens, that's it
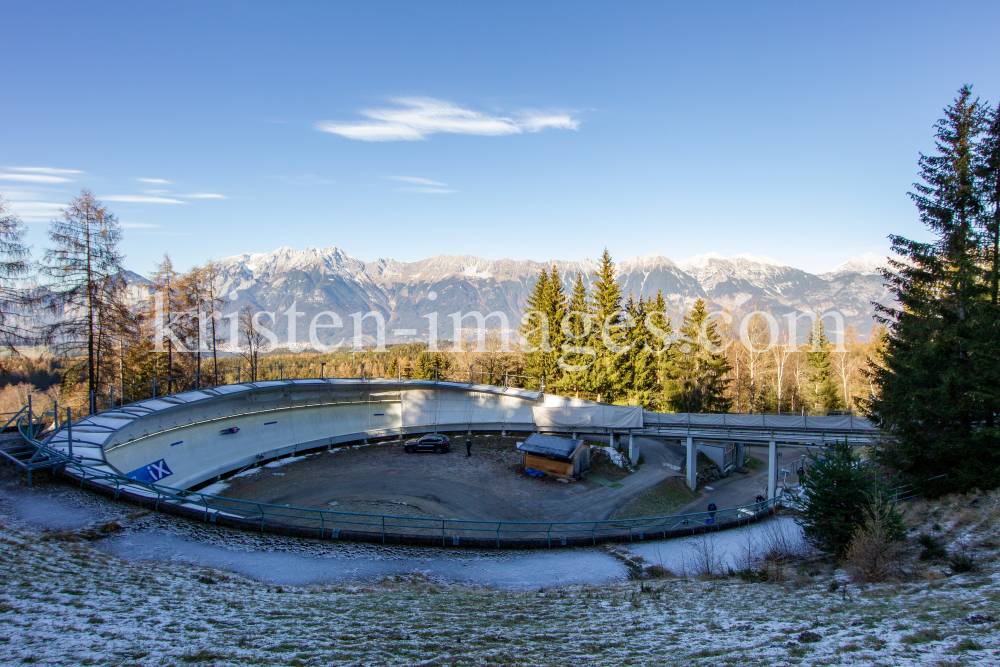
(184, 444)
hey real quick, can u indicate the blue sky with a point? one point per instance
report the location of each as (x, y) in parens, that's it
(523, 130)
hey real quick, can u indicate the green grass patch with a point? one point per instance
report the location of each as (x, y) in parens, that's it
(922, 636)
(661, 500)
(752, 462)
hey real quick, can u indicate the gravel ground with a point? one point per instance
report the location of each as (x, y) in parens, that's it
(381, 478)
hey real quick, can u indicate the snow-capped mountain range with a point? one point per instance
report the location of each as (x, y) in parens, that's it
(328, 279)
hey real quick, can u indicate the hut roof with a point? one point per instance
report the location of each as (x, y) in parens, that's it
(551, 445)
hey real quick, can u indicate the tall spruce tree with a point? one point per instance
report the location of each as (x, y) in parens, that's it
(637, 367)
(989, 166)
(934, 398)
(987, 336)
(821, 372)
(83, 266)
(609, 337)
(540, 328)
(696, 376)
(661, 337)
(576, 355)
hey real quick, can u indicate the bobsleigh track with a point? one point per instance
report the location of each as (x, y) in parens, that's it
(154, 452)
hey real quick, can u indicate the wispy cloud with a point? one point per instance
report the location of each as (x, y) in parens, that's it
(141, 199)
(203, 195)
(46, 170)
(301, 179)
(416, 118)
(35, 211)
(429, 191)
(34, 178)
(138, 225)
(418, 181)
(155, 181)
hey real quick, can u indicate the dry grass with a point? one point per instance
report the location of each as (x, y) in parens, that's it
(661, 500)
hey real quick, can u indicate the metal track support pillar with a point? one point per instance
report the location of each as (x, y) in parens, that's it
(772, 470)
(692, 464)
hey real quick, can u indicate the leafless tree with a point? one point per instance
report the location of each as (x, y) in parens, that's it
(252, 339)
(14, 266)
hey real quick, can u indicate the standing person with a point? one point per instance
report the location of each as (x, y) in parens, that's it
(468, 448)
(711, 513)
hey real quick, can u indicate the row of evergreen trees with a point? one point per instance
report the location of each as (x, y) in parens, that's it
(622, 350)
(625, 350)
(938, 386)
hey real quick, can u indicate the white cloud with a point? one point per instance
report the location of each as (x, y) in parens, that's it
(138, 225)
(34, 178)
(35, 211)
(155, 181)
(139, 199)
(419, 117)
(429, 191)
(46, 170)
(418, 181)
(156, 192)
(203, 195)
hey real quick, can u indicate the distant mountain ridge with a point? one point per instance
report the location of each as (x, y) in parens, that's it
(329, 279)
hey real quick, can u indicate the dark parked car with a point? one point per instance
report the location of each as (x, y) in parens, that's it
(439, 444)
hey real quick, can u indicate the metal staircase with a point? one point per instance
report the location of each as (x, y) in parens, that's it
(26, 453)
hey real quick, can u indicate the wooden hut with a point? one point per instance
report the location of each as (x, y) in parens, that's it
(552, 455)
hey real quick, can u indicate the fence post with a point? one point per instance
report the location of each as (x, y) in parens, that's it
(31, 433)
(154, 387)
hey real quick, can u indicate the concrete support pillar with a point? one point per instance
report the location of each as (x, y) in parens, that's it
(633, 450)
(692, 465)
(772, 470)
(740, 455)
(611, 441)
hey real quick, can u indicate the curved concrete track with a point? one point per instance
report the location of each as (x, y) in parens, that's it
(154, 451)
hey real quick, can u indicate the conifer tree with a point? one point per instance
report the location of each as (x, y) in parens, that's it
(83, 265)
(609, 337)
(986, 344)
(696, 377)
(989, 165)
(821, 371)
(637, 367)
(431, 366)
(661, 335)
(540, 327)
(576, 327)
(837, 487)
(934, 396)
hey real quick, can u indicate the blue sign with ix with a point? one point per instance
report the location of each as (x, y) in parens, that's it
(153, 472)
